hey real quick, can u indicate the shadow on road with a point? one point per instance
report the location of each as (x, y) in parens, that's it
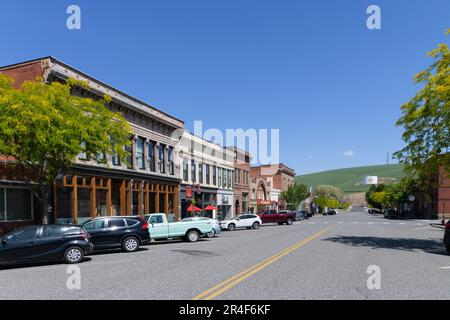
(404, 244)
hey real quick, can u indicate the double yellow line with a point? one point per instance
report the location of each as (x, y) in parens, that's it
(231, 282)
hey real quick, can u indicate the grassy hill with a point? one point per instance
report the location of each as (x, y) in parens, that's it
(351, 179)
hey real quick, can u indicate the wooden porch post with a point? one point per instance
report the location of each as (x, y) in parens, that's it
(176, 210)
(55, 202)
(141, 199)
(166, 200)
(74, 200)
(129, 198)
(157, 197)
(93, 199)
(108, 198)
(147, 199)
(122, 198)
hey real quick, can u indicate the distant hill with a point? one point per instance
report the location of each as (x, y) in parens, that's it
(351, 179)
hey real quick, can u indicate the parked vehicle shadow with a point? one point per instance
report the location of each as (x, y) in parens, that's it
(197, 253)
(174, 241)
(115, 250)
(404, 244)
(40, 264)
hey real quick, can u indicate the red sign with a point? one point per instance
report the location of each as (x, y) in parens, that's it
(188, 192)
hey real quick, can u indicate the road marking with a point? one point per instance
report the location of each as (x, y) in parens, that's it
(445, 267)
(385, 222)
(402, 223)
(325, 222)
(419, 224)
(369, 222)
(311, 222)
(354, 222)
(340, 222)
(231, 282)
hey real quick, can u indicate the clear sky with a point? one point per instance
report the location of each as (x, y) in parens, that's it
(308, 67)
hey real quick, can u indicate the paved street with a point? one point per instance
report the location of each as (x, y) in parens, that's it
(321, 258)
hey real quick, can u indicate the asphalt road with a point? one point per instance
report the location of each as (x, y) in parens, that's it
(321, 258)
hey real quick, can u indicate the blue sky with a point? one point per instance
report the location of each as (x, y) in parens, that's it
(310, 68)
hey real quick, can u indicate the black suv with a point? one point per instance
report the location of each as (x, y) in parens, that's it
(447, 236)
(124, 232)
(44, 243)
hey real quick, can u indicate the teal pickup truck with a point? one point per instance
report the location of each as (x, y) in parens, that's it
(190, 231)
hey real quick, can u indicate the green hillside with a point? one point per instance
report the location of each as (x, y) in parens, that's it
(351, 179)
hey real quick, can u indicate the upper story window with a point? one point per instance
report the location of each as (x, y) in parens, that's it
(230, 180)
(208, 174)
(214, 175)
(225, 178)
(170, 161)
(193, 177)
(140, 160)
(162, 158)
(151, 156)
(200, 172)
(129, 158)
(219, 176)
(83, 155)
(185, 169)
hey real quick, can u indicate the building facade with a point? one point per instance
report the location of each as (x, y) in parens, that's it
(206, 178)
(242, 180)
(274, 179)
(149, 183)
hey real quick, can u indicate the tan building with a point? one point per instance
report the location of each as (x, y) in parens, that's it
(149, 184)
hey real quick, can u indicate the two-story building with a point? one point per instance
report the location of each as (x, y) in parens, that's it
(241, 186)
(150, 183)
(206, 178)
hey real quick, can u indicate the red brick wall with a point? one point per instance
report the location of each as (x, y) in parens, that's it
(443, 206)
(23, 72)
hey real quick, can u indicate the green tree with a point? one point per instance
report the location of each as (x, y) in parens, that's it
(294, 195)
(44, 128)
(426, 121)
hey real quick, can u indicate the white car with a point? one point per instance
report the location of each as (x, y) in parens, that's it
(248, 220)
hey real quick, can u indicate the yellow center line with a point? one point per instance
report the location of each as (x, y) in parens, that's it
(231, 282)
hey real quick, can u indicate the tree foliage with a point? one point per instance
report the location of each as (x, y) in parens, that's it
(44, 128)
(294, 195)
(426, 121)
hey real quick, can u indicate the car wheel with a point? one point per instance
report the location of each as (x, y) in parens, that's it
(130, 244)
(192, 236)
(448, 248)
(74, 255)
(255, 225)
(289, 221)
(212, 234)
(231, 227)
(280, 223)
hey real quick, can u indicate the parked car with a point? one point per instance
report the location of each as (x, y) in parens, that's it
(214, 223)
(44, 243)
(330, 212)
(375, 211)
(127, 233)
(302, 215)
(447, 236)
(248, 220)
(281, 217)
(161, 229)
(390, 213)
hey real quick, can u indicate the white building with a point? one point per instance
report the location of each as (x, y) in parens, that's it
(206, 171)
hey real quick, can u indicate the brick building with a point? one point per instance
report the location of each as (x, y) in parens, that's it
(241, 187)
(149, 184)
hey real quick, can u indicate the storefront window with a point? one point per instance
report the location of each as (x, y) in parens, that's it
(15, 204)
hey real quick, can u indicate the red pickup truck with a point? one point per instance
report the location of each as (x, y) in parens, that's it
(272, 216)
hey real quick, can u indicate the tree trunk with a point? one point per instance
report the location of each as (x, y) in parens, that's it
(44, 190)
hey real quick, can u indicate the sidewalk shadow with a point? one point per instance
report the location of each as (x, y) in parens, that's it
(404, 244)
